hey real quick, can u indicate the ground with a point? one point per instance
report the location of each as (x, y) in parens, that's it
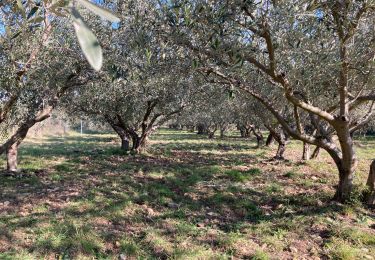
(187, 197)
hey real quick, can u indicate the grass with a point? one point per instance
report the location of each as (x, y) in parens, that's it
(80, 197)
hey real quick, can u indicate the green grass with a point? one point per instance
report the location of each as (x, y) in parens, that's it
(242, 176)
(187, 197)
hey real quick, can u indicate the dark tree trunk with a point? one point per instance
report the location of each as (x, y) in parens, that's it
(258, 135)
(280, 151)
(345, 185)
(201, 129)
(315, 153)
(12, 158)
(125, 144)
(239, 128)
(260, 140)
(369, 194)
(135, 142)
(211, 134)
(306, 152)
(281, 140)
(245, 130)
(222, 132)
(279, 136)
(139, 143)
(247, 133)
(269, 140)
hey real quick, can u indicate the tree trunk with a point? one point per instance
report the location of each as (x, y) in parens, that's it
(259, 136)
(123, 134)
(346, 165)
(306, 152)
(11, 146)
(222, 132)
(211, 134)
(247, 132)
(12, 158)
(201, 129)
(139, 143)
(269, 140)
(315, 153)
(280, 151)
(143, 142)
(125, 143)
(345, 185)
(369, 194)
(243, 132)
(135, 143)
(280, 138)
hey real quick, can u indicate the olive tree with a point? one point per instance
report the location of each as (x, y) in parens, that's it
(39, 63)
(315, 55)
(144, 85)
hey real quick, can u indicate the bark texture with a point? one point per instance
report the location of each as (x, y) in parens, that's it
(315, 153)
(269, 140)
(12, 158)
(306, 152)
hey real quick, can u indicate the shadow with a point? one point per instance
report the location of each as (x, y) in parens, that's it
(96, 192)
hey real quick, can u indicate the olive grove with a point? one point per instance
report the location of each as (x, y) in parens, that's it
(294, 69)
(317, 56)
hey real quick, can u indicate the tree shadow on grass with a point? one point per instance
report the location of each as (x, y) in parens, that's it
(91, 200)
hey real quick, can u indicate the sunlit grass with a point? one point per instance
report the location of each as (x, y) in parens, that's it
(187, 197)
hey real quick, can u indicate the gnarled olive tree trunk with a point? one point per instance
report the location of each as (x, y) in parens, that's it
(122, 133)
(245, 129)
(281, 139)
(12, 144)
(139, 142)
(346, 164)
(258, 134)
